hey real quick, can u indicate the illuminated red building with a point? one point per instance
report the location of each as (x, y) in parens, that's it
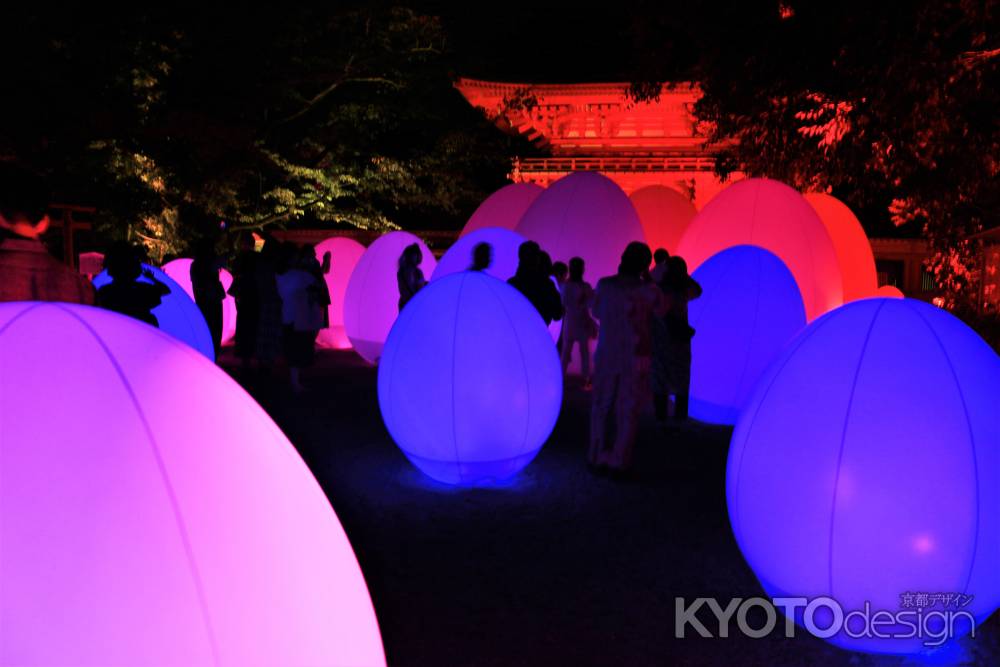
(595, 127)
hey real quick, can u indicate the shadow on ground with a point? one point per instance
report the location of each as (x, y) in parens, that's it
(557, 568)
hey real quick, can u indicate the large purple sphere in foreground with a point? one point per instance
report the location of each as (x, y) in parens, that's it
(152, 513)
(866, 465)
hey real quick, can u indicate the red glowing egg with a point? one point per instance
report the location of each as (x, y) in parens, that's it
(854, 251)
(664, 214)
(344, 256)
(773, 216)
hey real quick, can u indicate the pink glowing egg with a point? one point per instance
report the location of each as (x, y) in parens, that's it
(504, 243)
(180, 271)
(890, 291)
(344, 256)
(664, 214)
(371, 302)
(773, 216)
(854, 251)
(583, 215)
(504, 207)
(152, 513)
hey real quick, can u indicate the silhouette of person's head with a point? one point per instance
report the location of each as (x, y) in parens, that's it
(482, 256)
(246, 242)
(560, 270)
(123, 262)
(24, 200)
(635, 259)
(677, 271)
(576, 267)
(285, 256)
(660, 256)
(411, 257)
(527, 257)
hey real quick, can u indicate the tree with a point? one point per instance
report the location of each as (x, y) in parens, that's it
(173, 121)
(889, 105)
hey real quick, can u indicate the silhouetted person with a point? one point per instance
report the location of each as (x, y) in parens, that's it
(244, 290)
(301, 314)
(532, 280)
(672, 342)
(660, 268)
(482, 257)
(409, 277)
(208, 291)
(320, 291)
(269, 326)
(624, 304)
(579, 326)
(27, 271)
(126, 294)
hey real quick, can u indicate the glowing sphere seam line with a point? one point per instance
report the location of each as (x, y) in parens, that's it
(843, 444)
(790, 352)
(454, 353)
(524, 369)
(20, 315)
(168, 487)
(972, 443)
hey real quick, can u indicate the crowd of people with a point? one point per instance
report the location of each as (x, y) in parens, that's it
(639, 316)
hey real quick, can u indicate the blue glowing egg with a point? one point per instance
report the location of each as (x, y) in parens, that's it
(469, 384)
(866, 467)
(177, 314)
(750, 308)
(503, 242)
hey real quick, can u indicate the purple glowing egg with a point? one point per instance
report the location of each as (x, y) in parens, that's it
(152, 513)
(371, 302)
(344, 256)
(866, 466)
(504, 243)
(504, 207)
(180, 270)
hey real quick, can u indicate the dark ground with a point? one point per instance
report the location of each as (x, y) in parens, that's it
(558, 568)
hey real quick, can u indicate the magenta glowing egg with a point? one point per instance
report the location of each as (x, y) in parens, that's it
(180, 271)
(177, 314)
(583, 214)
(344, 256)
(469, 385)
(854, 250)
(750, 309)
(371, 302)
(504, 207)
(664, 214)
(866, 466)
(504, 243)
(152, 513)
(773, 216)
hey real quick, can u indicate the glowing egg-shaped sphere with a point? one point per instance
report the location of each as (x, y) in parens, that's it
(664, 214)
(180, 271)
(153, 513)
(504, 242)
(854, 250)
(504, 207)
(748, 312)
(824, 474)
(469, 384)
(583, 214)
(177, 314)
(371, 302)
(889, 291)
(773, 216)
(344, 256)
